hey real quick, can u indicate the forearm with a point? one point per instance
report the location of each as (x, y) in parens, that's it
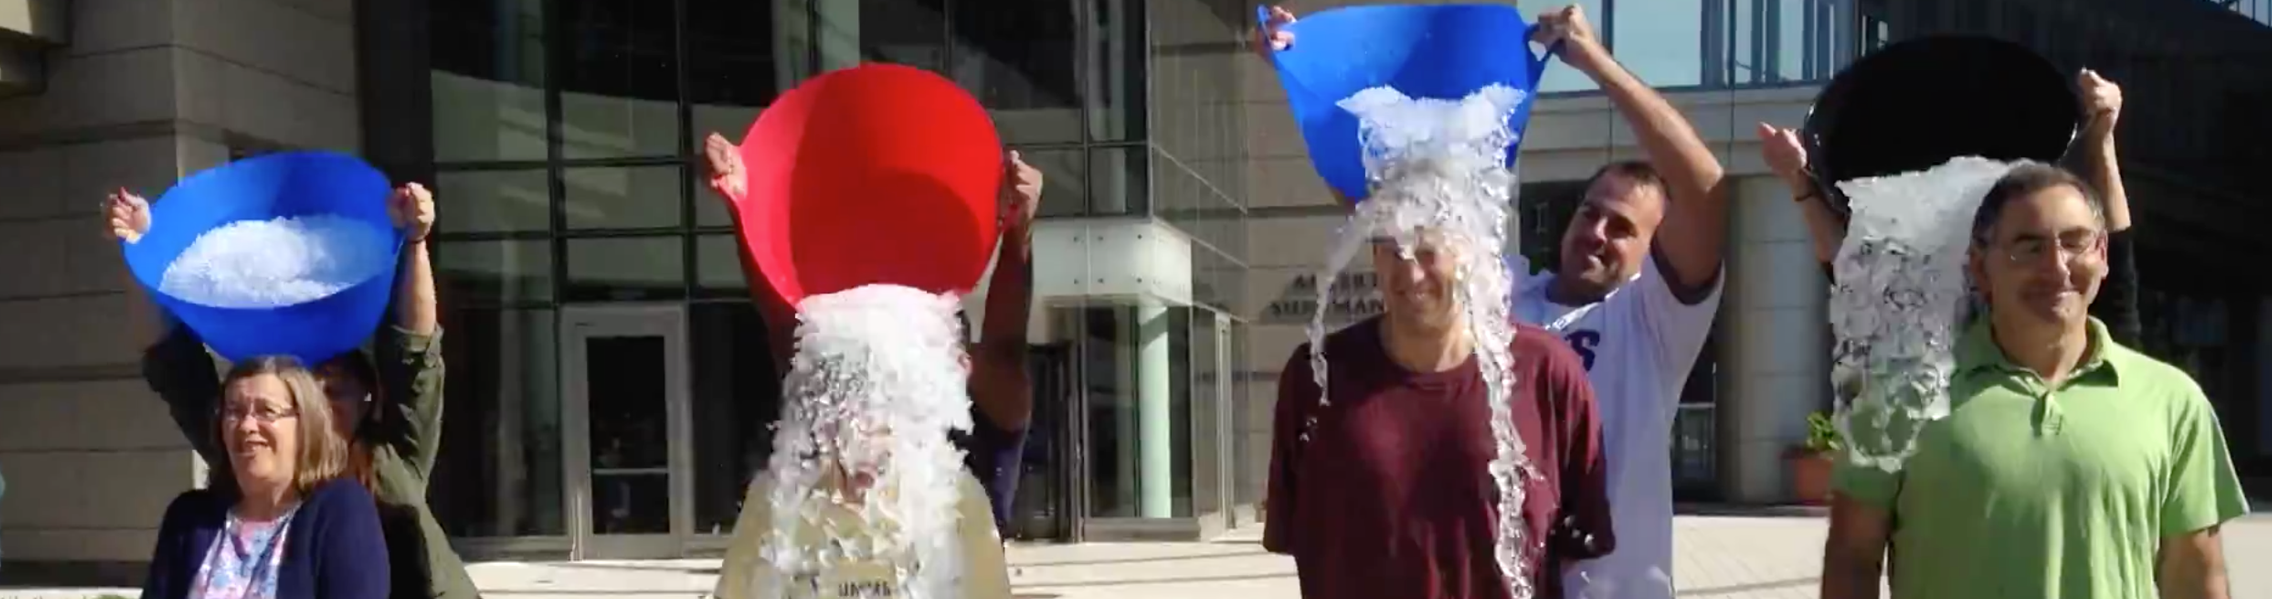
(414, 299)
(779, 317)
(1823, 227)
(1006, 396)
(2105, 172)
(1846, 578)
(2192, 567)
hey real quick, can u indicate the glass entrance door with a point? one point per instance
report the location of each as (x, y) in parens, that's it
(625, 377)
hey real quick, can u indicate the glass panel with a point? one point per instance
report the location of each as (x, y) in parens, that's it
(622, 198)
(499, 471)
(495, 272)
(1559, 76)
(731, 65)
(1021, 65)
(1661, 41)
(623, 269)
(1064, 188)
(619, 88)
(492, 201)
(488, 80)
(630, 431)
(1039, 510)
(1116, 70)
(718, 267)
(1183, 427)
(736, 399)
(1117, 182)
(1133, 369)
(908, 32)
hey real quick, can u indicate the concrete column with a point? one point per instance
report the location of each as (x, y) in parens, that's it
(1154, 387)
(1774, 345)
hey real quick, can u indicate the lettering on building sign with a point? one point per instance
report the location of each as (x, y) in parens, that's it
(1356, 296)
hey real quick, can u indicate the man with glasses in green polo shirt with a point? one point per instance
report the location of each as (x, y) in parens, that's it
(2069, 466)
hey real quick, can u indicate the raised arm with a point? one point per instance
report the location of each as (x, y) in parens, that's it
(1000, 384)
(411, 371)
(729, 182)
(2117, 301)
(1785, 157)
(1696, 218)
(176, 367)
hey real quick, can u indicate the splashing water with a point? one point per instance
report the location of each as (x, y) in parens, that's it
(875, 387)
(282, 262)
(1900, 299)
(1437, 172)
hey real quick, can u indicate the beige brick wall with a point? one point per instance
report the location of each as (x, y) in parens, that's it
(148, 90)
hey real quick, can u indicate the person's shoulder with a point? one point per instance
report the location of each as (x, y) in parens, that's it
(1544, 348)
(2146, 374)
(339, 491)
(196, 503)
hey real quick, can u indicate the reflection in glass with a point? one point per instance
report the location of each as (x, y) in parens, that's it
(499, 472)
(1021, 65)
(622, 197)
(1559, 76)
(488, 80)
(492, 201)
(736, 399)
(718, 267)
(494, 273)
(1116, 70)
(1661, 42)
(630, 434)
(1064, 182)
(1135, 405)
(908, 32)
(1116, 180)
(619, 79)
(624, 269)
(731, 68)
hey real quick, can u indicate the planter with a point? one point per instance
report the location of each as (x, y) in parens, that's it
(1810, 476)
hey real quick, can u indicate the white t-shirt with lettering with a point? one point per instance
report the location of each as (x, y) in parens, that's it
(1638, 345)
(987, 574)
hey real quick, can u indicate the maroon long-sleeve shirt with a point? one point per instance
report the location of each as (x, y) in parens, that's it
(1386, 492)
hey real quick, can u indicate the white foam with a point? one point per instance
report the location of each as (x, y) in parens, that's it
(1898, 303)
(275, 263)
(1437, 165)
(876, 385)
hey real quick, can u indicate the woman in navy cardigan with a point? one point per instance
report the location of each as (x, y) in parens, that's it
(279, 521)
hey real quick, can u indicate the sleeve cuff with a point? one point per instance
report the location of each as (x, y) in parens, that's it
(414, 344)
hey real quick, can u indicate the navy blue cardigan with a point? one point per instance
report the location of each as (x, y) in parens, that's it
(333, 550)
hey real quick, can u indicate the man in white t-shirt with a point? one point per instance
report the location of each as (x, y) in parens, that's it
(1635, 306)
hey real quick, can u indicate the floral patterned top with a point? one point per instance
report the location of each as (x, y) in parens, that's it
(244, 560)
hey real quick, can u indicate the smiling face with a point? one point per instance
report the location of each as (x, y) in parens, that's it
(2041, 262)
(260, 429)
(1608, 236)
(1418, 292)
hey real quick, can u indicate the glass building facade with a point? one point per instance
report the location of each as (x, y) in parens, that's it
(609, 394)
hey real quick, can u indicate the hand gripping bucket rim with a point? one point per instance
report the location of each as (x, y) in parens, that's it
(879, 173)
(1915, 104)
(1443, 51)
(284, 184)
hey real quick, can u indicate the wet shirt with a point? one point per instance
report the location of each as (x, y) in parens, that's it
(1386, 493)
(2028, 490)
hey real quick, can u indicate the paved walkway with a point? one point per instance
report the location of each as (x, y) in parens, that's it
(1720, 557)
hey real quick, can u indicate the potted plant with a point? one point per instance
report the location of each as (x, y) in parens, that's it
(1811, 463)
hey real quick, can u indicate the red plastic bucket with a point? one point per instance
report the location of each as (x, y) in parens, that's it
(875, 174)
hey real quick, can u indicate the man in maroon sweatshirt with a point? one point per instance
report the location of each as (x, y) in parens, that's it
(1384, 491)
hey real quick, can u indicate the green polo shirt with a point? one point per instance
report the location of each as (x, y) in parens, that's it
(2028, 491)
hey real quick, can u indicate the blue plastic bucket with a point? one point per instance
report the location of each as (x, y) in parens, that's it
(1438, 51)
(288, 184)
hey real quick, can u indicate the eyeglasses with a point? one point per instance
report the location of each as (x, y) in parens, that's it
(264, 414)
(2071, 247)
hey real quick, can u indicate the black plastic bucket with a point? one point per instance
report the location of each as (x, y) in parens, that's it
(1916, 104)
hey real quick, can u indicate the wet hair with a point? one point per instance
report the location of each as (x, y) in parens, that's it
(1639, 172)
(323, 454)
(2025, 180)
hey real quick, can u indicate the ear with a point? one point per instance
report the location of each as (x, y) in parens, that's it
(1976, 270)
